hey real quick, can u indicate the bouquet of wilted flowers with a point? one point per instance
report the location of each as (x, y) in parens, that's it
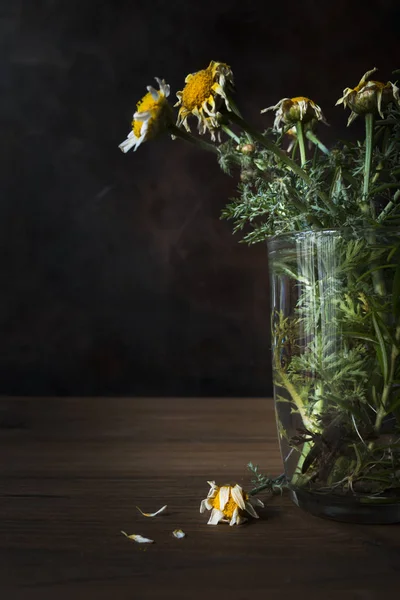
(331, 218)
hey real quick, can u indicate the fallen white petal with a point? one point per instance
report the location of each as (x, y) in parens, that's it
(138, 538)
(178, 533)
(152, 514)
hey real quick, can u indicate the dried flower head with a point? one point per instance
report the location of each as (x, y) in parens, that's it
(291, 110)
(226, 502)
(152, 116)
(203, 95)
(368, 96)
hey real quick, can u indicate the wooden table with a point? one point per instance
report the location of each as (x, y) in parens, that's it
(73, 470)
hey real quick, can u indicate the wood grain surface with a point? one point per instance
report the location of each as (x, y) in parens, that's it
(73, 470)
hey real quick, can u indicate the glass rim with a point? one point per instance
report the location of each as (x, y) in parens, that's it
(346, 231)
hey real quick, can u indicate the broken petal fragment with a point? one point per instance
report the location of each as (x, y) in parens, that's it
(138, 538)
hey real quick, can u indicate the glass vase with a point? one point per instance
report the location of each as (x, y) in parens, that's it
(335, 323)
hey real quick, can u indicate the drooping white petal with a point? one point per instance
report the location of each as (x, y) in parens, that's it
(351, 118)
(205, 504)
(366, 76)
(395, 91)
(237, 495)
(223, 496)
(145, 514)
(379, 102)
(138, 538)
(257, 502)
(249, 508)
(215, 517)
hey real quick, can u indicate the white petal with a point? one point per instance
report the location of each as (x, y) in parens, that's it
(178, 533)
(240, 520)
(152, 514)
(257, 502)
(145, 115)
(237, 495)
(127, 144)
(153, 92)
(251, 510)
(138, 538)
(214, 488)
(164, 87)
(204, 505)
(223, 496)
(216, 517)
(234, 516)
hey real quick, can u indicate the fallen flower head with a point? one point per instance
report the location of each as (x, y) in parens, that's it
(227, 502)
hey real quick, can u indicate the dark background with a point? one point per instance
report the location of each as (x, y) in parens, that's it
(117, 275)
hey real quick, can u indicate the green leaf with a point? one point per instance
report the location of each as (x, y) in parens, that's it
(395, 403)
(396, 292)
(381, 351)
(360, 336)
(359, 460)
(378, 268)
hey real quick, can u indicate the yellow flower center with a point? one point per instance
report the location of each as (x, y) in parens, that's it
(301, 99)
(147, 103)
(378, 85)
(229, 506)
(198, 89)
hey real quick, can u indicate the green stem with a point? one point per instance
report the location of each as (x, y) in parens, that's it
(390, 205)
(279, 482)
(302, 146)
(382, 410)
(272, 147)
(299, 478)
(188, 137)
(313, 138)
(297, 400)
(231, 134)
(386, 186)
(368, 210)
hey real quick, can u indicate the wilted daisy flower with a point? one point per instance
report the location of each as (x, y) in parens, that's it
(226, 502)
(152, 116)
(368, 96)
(291, 110)
(203, 95)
